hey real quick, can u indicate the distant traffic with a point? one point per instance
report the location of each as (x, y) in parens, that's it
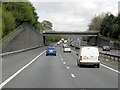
(87, 55)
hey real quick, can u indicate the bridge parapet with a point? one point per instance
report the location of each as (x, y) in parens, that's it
(55, 33)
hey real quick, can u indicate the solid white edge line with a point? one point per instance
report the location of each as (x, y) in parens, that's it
(20, 70)
(105, 66)
(73, 75)
(109, 68)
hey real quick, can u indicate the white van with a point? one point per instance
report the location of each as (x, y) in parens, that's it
(88, 55)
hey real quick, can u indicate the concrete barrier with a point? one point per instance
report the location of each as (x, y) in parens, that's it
(19, 51)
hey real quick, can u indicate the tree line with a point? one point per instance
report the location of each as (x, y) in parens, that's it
(107, 24)
(16, 13)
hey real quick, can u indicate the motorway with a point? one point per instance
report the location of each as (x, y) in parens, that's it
(112, 51)
(53, 71)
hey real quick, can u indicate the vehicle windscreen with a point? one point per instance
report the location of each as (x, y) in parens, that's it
(89, 51)
(51, 48)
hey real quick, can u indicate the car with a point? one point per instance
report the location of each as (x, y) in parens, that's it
(64, 45)
(106, 48)
(65, 41)
(88, 55)
(51, 51)
(66, 49)
(58, 43)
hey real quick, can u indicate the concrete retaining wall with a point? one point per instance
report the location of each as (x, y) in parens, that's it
(25, 39)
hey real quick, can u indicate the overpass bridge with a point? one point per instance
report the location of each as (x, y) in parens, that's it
(25, 36)
(56, 33)
(95, 37)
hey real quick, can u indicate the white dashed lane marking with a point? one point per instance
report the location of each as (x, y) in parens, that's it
(61, 59)
(67, 67)
(72, 75)
(63, 62)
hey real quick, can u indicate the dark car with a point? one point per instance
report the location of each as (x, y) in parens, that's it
(51, 51)
(106, 48)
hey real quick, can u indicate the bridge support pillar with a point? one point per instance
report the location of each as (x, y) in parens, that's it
(44, 40)
(96, 40)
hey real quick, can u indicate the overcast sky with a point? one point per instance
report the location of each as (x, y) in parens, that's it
(67, 15)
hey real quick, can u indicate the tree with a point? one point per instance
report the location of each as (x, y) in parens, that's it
(39, 26)
(96, 22)
(108, 25)
(8, 22)
(47, 25)
(16, 13)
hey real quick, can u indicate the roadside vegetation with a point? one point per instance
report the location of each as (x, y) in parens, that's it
(15, 14)
(107, 24)
(55, 39)
(51, 39)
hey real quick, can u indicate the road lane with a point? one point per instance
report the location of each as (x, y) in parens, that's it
(45, 72)
(12, 63)
(90, 77)
(61, 72)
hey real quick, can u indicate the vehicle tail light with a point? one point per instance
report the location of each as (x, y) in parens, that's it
(98, 58)
(98, 49)
(80, 57)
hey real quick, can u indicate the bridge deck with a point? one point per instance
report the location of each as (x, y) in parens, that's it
(86, 33)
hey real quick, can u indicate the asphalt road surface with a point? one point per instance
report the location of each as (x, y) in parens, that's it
(54, 72)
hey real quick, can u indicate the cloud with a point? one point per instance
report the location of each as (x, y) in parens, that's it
(73, 16)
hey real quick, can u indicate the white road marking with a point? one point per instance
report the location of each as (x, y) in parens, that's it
(104, 66)
(72, 75)
(74, 51)
(1, 59)
(60, 56)
(110, 68)
(19, 71)
(61, 59)
(7, 53)
(67, 67)
(63, 62)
